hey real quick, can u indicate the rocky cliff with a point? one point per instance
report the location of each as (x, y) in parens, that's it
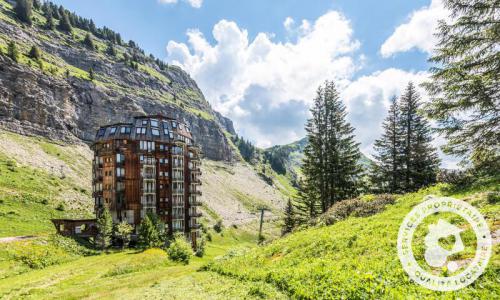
(55, 97)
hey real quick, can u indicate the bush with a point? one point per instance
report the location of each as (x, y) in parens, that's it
(218, 226)
(200, 250)
(493, 197)
(180, 250)
(355, 207)
(455, 177)
(60, 207)
(149, 236)
(45, 202)
(35, 53)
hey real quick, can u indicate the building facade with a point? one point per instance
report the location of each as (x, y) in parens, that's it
(150, 165)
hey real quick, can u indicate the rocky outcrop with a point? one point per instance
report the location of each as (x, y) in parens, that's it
(71, 108)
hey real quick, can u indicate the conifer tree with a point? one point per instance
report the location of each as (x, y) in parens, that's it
(330, 165)
(104, 229)
(465, 82)
(89, 42)
(37, 5)
(386, 172)
(64, 23)
(148, 234)
(35, 53)
(420, 159)
(24, 10)
(289, 221)
(111, 51)
(12, 51)
(91, 74)
(122, 232)
(50, 23)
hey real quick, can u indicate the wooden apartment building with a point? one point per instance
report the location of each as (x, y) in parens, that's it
(150, 165)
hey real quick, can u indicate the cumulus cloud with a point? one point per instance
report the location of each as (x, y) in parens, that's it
(193, 3)
(417, 32)
(231, 70)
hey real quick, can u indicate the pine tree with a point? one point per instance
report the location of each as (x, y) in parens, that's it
(330, 165)
(35, 53)
(89, 42)
(91, 74)
(37, 5)
(386, 173)
(148, 234)
(104, 229)
(289, 221)
(64, 23)
(465, 82)
(50, 23)
(12, 51)
(420, 159)
(24, 10)
(111, 51)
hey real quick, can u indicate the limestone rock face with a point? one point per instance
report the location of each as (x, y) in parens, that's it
(71, 109)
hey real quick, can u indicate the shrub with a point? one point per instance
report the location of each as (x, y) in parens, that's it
(455, 177)
(148, 234)
(493, 197)
(122, 232)
(45, 201)
(355, 207)
(12, 52)
(180, 250)
(200, 250)
(35, 53)
(60, 207)
(218, 226)
(104, 229)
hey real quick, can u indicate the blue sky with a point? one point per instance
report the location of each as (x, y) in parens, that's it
(259, 62)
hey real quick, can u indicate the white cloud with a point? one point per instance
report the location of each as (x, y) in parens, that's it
(288, 23)
(231, 70)
(193, 3)
(417, 32)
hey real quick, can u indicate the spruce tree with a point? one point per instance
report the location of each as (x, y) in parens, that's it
(50, 23)
(37, 4)
(64, 23)
(330, 165)
(420, 160)
(104, 229)
(122, 232)
(289, 221)
(148, 234)
(35, 53)
(465, 82)
(89, 42)
(111, 51)
(386, 172)
(12, 51)
(24, 10)
(91, 74)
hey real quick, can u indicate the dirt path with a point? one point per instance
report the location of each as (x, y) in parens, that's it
(16, 238)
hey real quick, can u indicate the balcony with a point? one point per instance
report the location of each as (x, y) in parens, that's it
(195, 203)
(195, 226)
(195, 214)
(196, 181)
(198, 193)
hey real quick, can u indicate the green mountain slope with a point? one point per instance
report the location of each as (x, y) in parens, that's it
(357, 258)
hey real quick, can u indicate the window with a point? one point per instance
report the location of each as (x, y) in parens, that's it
(178, 224)
(154, 123)
(171, 135)
(174, 124)
(187, 128)
(181, 126)
(166, 132)
(120, 172)
(144, 122)
(101, 132)
(113, 130)
(155, 132)
(140, 130)
(147, 145)
(120, 186)
(125, 130)
(120, 158)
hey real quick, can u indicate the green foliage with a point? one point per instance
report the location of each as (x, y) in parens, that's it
(200, 247)
(88, 42)
(149, 237)
(246, 148)
(464, 85)
(122, 232)
(64, 23)
(35, 53)
(60, 207)
(104, 228)
(91, 74)
(13, 52)
(110, 50)
(331, 170)
(289, 221)
(180, 250)
(24, 11)
(218, 226)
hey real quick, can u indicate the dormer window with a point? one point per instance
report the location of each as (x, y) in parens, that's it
(181, 126)
(155, 132)
(101, 132)
(174, 124)
(154, 123)
(113, 130)
(125, 130)
(144, 122)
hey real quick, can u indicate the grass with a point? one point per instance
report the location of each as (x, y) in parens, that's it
(138, 275)
(356, 258)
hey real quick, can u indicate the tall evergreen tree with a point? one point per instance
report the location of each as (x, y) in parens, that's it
(64, 23)
(330, 165)
(89, 42)
(13, 52)
(465, 83)
(386, 172)
(24, 10)
(148, 234)
(50, 23)
(37, 4)
(104, 229)
(289, 221)
(420, 159)
(110, 50)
